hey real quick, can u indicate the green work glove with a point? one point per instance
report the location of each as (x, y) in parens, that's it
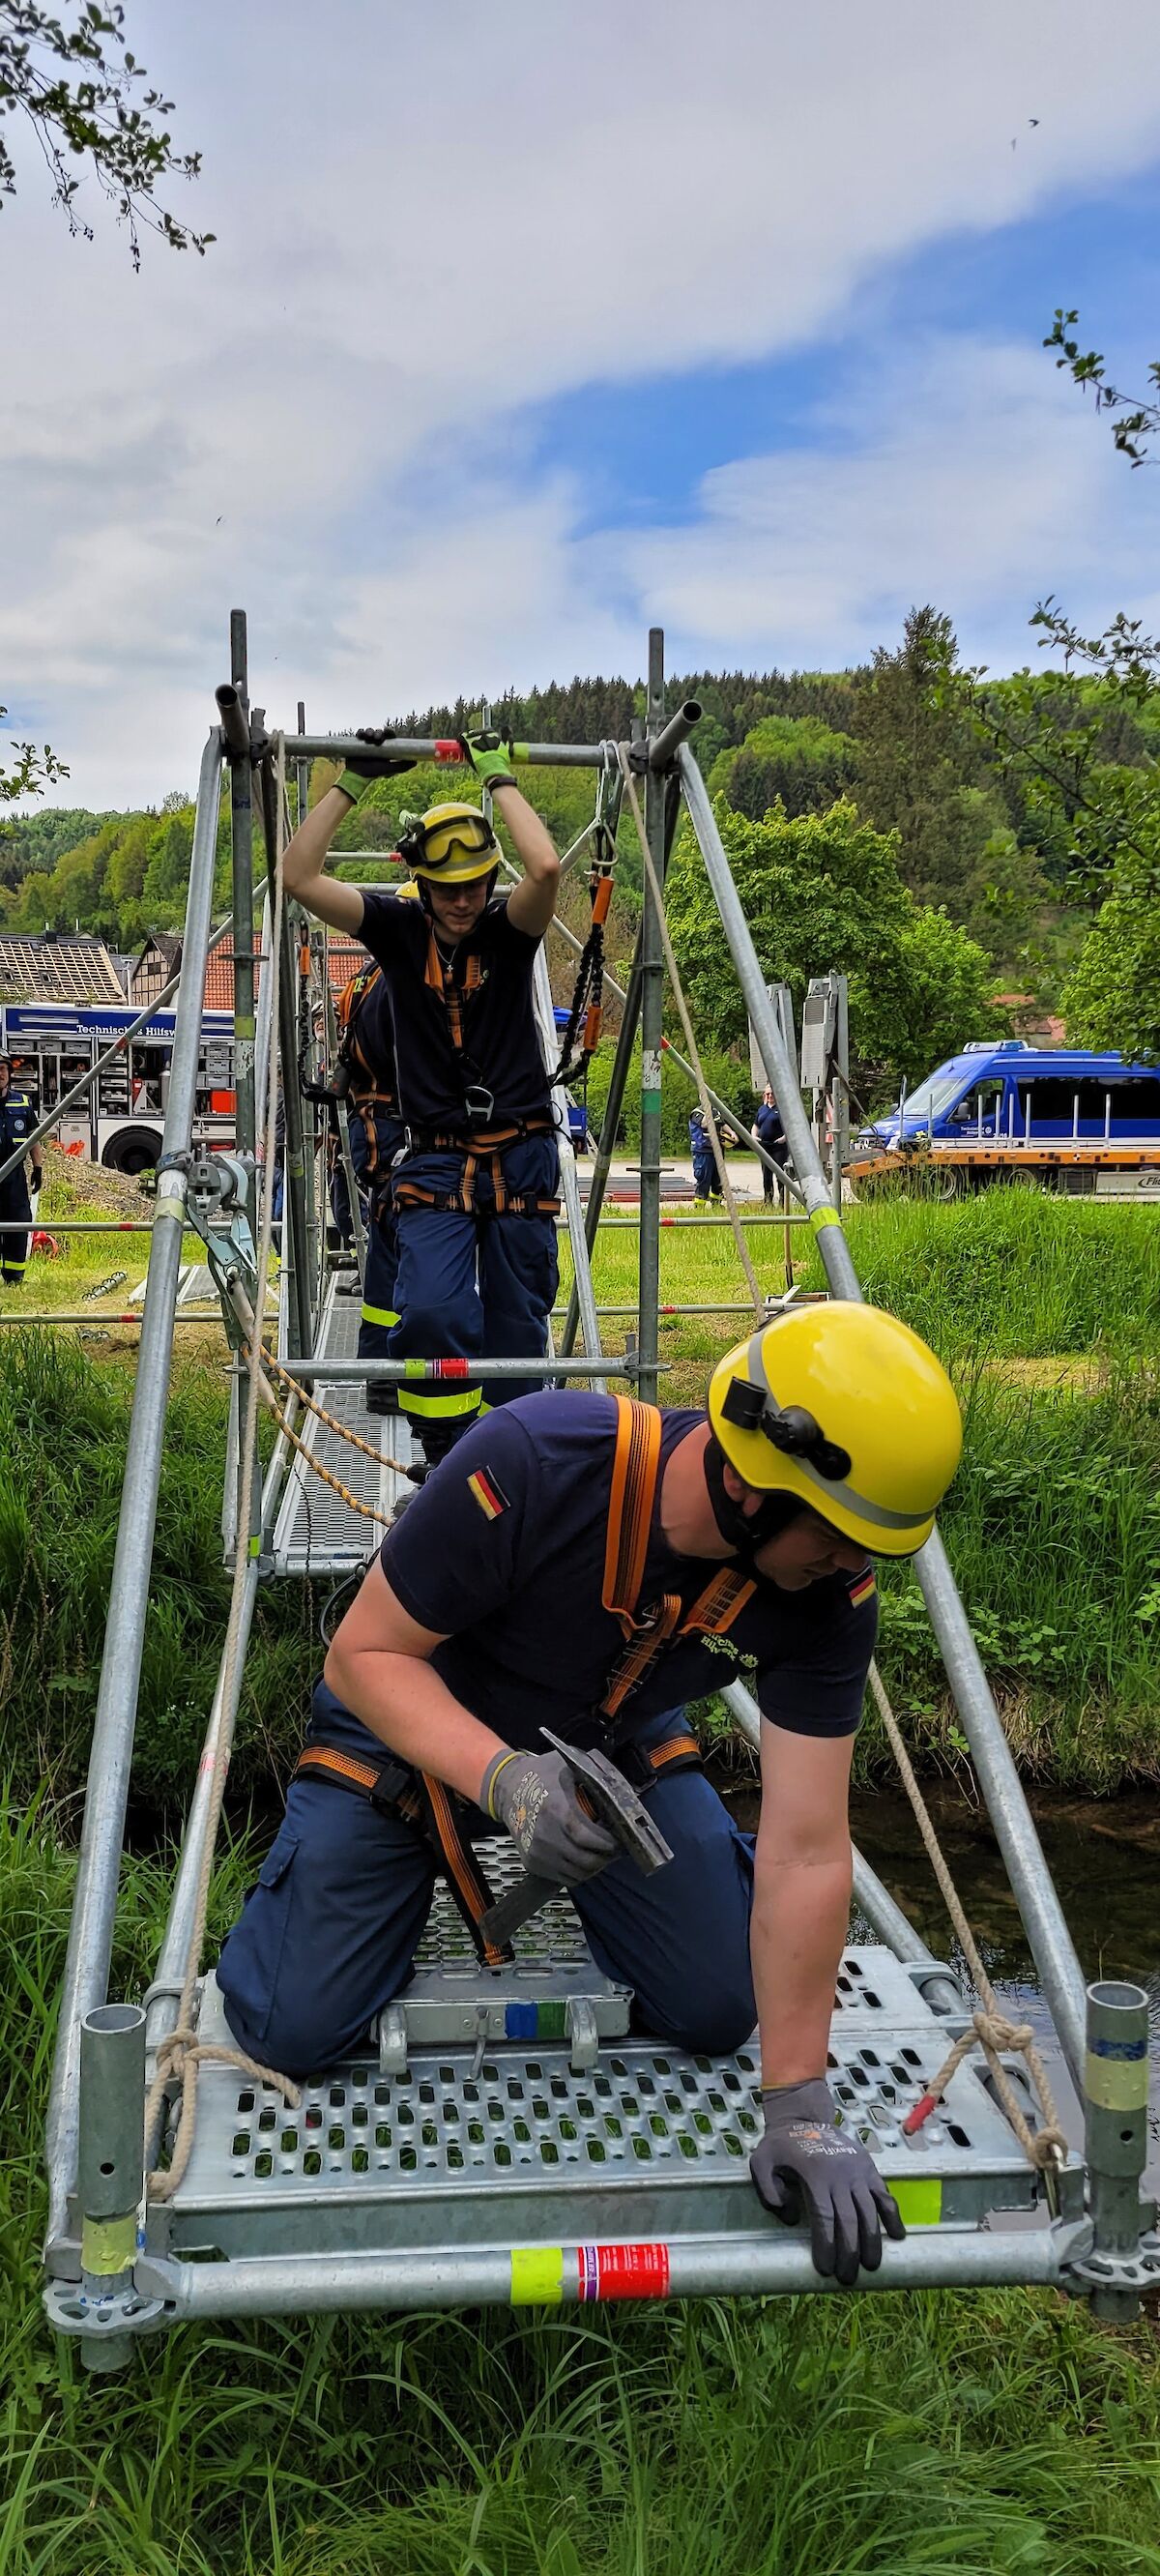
(490, 757)
(375, 762)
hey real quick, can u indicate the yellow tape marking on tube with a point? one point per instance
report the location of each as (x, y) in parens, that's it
(109, 2244)
(537, 2276)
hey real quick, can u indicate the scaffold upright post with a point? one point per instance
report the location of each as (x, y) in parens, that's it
(95, 1898)
(1051, 1944)
(295, 1249)
(110, 2170)
(242, 847)
(652, 1011)
(1116, 2134)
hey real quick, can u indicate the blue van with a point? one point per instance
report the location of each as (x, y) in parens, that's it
(1011, 1092)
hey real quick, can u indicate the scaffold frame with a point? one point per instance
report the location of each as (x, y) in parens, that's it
(258, 2227)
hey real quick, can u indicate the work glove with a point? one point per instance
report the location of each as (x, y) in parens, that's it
(535, 1796)
(806, 2166)
(35, 1178)
(375, 762)
(490, 757)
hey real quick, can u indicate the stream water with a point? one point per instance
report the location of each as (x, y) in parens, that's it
(1103, 1854)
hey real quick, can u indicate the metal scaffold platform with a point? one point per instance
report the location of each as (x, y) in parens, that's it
(507, 2135)
(316, 1531)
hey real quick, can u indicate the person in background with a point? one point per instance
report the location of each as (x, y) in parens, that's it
(17, 1120)
(769, 1131)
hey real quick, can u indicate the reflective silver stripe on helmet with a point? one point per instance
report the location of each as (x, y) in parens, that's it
(827, 1491)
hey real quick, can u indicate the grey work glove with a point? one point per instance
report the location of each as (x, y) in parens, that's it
(534, 1795)
(806, 2166)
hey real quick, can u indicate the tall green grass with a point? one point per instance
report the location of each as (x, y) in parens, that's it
(63, 1428)
(804, 2438)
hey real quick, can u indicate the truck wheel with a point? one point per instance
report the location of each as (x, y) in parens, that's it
(132, 1150)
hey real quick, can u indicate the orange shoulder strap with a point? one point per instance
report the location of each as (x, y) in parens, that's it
(634, 1482)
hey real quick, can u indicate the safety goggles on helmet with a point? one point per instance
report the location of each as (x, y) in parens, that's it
(450, 844)
(845, 1409)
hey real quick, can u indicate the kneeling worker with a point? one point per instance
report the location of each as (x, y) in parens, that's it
(584, 1562)
(475, 1193)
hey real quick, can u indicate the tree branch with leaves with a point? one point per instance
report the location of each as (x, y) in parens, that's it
(88, 100)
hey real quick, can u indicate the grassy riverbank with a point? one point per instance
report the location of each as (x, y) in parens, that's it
(1053, 1523)
(804, 2438)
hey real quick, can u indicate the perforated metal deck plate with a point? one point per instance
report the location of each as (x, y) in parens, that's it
(649, 2144)
(316, 1532)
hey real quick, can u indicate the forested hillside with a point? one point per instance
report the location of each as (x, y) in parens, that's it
(903, 793)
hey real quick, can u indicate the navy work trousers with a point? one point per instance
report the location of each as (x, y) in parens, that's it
(15, 1205)
(706, 1177)
(328, 1935)
(473, 1283)
(380, 1309)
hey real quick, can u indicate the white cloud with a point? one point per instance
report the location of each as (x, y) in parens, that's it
(428, 221)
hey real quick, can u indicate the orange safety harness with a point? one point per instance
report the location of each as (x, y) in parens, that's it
(483, 1143)
(446, 1820)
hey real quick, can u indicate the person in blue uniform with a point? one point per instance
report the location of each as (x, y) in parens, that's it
(475, 1191)
(583, 1563)
(17, 1120)
(377, 1138)
(770, 1132)
(706, 1178)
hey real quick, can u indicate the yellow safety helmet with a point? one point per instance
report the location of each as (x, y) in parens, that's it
(846, 1408)
(449, 844)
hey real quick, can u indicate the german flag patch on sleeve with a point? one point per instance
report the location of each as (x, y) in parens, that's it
(489, 1494)
(862, 1587)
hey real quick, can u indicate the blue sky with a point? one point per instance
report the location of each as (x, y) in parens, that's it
(506, 351)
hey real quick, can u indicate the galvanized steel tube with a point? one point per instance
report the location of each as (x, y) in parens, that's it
(705, 2267)
(94, 1902)
(346, 746)
(1051, 1942)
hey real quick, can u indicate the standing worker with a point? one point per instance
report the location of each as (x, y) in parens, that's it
(17, 1120)
(475, 1191)
(770, 1132)
(583, 1562)
(366, 1076)
(706, 1177)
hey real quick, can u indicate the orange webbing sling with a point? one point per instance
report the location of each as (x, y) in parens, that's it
(634, 1482)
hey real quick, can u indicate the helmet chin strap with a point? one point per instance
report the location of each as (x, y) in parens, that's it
(745, 1531)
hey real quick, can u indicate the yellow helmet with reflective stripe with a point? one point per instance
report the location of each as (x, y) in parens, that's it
(845, 1407)
(449, 844)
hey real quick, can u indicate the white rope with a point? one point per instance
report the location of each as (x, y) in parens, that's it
(743, 1251)
(181, 2054)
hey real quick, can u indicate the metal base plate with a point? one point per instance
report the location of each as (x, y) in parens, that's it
(316, 1532)
(518, 2148)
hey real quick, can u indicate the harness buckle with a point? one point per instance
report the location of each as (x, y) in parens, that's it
(479, 1104)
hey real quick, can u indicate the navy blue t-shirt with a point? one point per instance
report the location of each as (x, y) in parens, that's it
(502, 1553)
(501, 1045)
(768, 1122)
(372, 1029)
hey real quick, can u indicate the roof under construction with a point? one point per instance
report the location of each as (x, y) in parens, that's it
(57, 966)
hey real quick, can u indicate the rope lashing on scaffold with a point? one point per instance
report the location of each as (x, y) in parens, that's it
(585, 1009)
(307, 1456)
(180, 2056)
(743, 1252)
(991, 2029)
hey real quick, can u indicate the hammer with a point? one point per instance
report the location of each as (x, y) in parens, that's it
(606, 1794)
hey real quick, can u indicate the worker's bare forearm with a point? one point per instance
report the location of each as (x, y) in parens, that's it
(532, 903)
(411, 1710)
(305, 859)
(801, 1912)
